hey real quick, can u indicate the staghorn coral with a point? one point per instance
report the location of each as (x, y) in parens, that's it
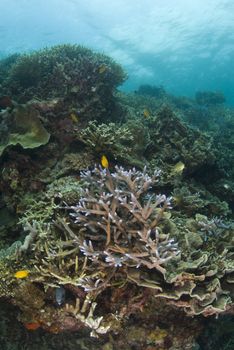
(126, 227)
(117, 232)
(117, 227)
(56, 262)
(60, 255)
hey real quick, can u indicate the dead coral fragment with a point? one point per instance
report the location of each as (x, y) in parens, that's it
(84, 314)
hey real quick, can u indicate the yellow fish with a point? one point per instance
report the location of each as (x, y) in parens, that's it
(74, 118)
(21, 274)
(104, 162)
(146, 113)
(178, 168)
(102, 68)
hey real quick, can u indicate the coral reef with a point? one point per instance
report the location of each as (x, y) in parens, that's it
(120, 234)
(109, 138)
(123, 228)
(126, 255)
(178, 142)
(207, 98)
(151, 90)
(72, 74)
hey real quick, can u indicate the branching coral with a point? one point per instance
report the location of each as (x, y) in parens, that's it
(122, 230)
(107, 138)
(84, 314)
(118, 227)
(36, 211)
(114, 226)
(119, 234)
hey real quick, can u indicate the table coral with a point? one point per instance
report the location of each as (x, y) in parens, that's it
(24, 128)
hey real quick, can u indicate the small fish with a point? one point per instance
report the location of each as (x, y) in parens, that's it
(178, 168)
(104, 162)
(102, 68)
(32, 326)
(146, 113)
(74, 118)
(60, 295)
(21, 274)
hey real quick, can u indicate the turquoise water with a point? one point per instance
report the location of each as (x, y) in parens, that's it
(184, 45)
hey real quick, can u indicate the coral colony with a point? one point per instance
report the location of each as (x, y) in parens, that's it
(115, 209)
(114, 218)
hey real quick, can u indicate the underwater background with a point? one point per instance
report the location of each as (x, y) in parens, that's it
(185, 46)
(116, 175)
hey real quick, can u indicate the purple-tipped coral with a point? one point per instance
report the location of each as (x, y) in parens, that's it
(119, 224)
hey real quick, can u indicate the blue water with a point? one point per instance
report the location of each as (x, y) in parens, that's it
(184, 45)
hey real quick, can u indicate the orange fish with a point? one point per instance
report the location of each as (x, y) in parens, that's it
(32, 326)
